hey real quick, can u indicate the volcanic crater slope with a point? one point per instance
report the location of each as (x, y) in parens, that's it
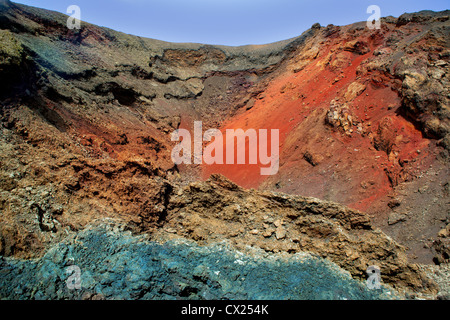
(85, 139)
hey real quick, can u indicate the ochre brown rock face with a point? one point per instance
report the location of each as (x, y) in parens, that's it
(87, 118)
(280, 223)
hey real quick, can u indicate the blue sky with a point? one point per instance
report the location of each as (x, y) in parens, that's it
(229, 22)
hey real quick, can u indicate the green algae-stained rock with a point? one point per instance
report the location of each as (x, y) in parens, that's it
(117, 265)
(11, 51)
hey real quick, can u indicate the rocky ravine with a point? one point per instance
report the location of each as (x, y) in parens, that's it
(85, 141)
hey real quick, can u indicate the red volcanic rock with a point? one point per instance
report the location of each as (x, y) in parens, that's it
(87, 117)
(353, 88)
